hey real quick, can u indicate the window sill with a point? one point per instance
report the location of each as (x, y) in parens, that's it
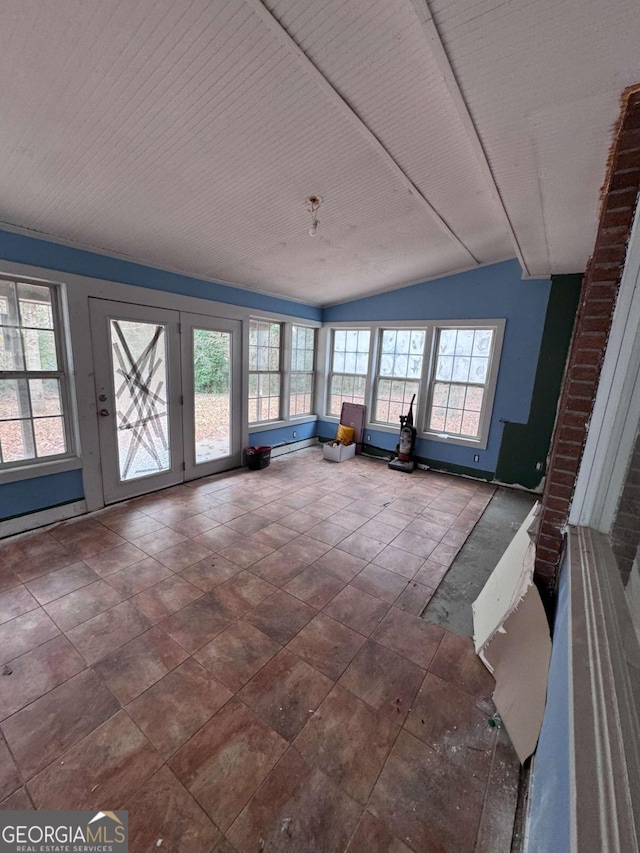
(265, 425)
(390, 428)
(454, 439)
(39, 469)
(425, 436)
(302, 419)
(281, 424)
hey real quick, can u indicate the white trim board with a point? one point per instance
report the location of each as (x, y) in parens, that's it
(132, 293)
(283, 449)
(39, 469)
(616, 412)
(25, 523)
(605, 706)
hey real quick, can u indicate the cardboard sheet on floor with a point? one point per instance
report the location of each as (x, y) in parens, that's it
(511, 637)
(353, 415)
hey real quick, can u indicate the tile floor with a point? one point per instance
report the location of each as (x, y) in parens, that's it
(240, 662)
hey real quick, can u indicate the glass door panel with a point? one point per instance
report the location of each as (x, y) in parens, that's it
(211, 383)
(212, 394)
(168, 396)
(139, 365)
(137, 377)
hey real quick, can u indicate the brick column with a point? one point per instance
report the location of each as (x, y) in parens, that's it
(588, 345)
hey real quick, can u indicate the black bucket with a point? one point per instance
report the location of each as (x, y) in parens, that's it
(258, 457)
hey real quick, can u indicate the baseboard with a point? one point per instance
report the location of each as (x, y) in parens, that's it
(24, 523)
(281, 449)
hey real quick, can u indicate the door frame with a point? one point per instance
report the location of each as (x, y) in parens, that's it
(188, 294)
(101, 313)
(188, 322)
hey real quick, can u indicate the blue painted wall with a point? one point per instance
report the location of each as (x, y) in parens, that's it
(496, 291)
(25, 496)
(284, 435)
(40, 492)
(489, 292)
(41, 253)
(550, 804)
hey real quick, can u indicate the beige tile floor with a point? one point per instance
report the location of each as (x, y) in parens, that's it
(240, 662)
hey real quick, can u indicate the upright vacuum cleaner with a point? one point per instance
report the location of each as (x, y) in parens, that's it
(404, 460)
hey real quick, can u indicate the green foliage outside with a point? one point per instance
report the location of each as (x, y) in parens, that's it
(210, 362)
(47, 350)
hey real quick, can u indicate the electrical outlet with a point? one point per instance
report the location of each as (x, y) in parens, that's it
(294, 433)
(368, 438)
(476, 458)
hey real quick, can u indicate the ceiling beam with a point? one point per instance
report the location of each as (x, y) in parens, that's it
(349, 113)
(445, 68)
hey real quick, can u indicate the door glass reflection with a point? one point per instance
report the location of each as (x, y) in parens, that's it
(212, 394)
(138, 356)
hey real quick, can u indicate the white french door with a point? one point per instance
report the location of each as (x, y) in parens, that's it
(212, 389)
(168, 394)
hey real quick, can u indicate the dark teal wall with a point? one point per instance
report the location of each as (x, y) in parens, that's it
(524, 445)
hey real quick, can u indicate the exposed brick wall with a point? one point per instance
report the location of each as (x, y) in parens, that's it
(590, 335)
(625, 533)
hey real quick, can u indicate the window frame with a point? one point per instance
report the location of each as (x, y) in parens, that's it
(428, 365)
(348, 327)
(486, 413)
(252, 425)
(27, 468)
(291, 372)
(380, 330)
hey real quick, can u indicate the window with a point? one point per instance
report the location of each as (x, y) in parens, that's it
(33, 391)
(303, 346)
(451, 367)
(400, 360)
(264, 371)
(349, 368)
(460, 380)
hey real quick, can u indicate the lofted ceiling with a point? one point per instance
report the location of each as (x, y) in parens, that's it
(441, 135)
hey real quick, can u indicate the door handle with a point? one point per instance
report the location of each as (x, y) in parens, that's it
(104, 412)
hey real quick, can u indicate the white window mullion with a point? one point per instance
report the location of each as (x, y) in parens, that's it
(399, 370)
(424, 401)
(371, 385)
(349, 368)
(265, 371)
(35, 417)
(285, 371)
(302, 363)
(462, 380)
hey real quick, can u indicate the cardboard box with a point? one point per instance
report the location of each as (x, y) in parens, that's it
(511, 636)
(338, 453)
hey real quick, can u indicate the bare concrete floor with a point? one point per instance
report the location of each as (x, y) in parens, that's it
(450, 606)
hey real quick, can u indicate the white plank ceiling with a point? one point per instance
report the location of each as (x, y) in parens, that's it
(187, 134)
